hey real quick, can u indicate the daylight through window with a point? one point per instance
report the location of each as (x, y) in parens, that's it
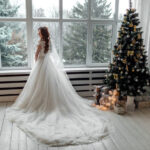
(83, 31)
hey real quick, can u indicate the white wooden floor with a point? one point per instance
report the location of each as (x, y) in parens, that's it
(132, 133)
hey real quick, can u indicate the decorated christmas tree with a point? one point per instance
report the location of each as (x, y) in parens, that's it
(128, 72)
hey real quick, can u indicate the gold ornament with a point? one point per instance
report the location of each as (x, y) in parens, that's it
(138, 55)
(134, 28)
(133, 41)
(119, 47)
(115, 76)
(124, 61)
(131, 25)
(139, 36)
(130, 53)
(127, 68)
(133, 70)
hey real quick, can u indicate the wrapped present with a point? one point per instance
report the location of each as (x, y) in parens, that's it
(145, 97)
(138, 98)
(97, 94)
(105, 90)
(130, 104)
(119, 109)
(143, 104)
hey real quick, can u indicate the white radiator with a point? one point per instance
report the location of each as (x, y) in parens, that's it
(12, 83)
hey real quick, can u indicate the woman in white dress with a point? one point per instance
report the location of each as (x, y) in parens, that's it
(49, 110)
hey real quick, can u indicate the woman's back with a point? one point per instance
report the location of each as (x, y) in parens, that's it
(41, 53)
(50, 111)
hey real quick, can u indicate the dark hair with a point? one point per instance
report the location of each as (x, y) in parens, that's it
(45, 37)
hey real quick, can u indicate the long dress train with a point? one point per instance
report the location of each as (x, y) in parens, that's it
(50, 111)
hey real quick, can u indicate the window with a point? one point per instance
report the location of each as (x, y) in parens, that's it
(12, 8)
(53, 29)
(123, 5)
(102, 9)
(101, 43)
(83, 31)
(75, 9)
(74, 43)
(13, 44)
(45, 8)
(13, 35)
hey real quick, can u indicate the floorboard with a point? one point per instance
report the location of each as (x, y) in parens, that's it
(123, 130)
(132, 132)
(41, 147)
(108, 144)
(139, 131)
(87, 147)
(22, 141)
(52, 148)
(2, 115)
(6, 133)
(98, 146)
(31, 145)
(15, 136)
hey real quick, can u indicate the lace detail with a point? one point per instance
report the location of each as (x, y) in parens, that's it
(41, 53)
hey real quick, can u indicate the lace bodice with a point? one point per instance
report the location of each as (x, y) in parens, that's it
(41, 53)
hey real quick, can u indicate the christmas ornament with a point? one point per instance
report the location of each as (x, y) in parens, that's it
(131, 25)
(130, 53)
(139, 36)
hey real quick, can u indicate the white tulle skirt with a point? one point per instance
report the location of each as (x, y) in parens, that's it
(50, 112)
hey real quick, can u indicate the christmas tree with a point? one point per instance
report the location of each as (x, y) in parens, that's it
(128, 73)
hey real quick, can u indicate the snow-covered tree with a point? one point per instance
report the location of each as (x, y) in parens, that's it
(75, 38)
(12, 38)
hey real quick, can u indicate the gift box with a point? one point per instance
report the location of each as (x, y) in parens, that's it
(143, 104)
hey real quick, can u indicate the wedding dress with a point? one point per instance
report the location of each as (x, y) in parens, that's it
(50, 111)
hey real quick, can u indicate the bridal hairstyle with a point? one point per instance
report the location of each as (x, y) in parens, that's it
(45, 37)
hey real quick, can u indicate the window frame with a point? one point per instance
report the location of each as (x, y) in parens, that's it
(29, 20)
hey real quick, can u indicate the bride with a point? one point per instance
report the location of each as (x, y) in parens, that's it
(49, 110)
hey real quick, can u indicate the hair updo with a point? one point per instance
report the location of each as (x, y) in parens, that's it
(45, 37)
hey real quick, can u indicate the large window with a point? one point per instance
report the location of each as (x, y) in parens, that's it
(83, 31)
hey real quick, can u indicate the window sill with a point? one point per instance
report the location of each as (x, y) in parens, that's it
(27, 71)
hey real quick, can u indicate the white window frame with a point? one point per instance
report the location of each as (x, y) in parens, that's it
(29, 20)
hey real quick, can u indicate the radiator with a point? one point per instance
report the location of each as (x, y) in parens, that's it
(83, 80)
